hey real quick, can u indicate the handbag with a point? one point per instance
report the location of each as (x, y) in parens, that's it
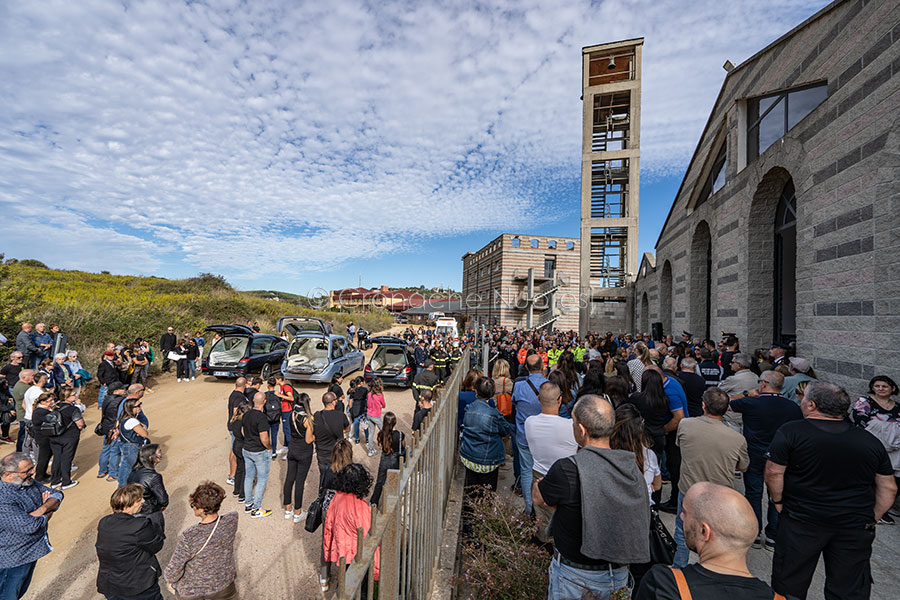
(662, 545)
(98, 430)
(315, 515)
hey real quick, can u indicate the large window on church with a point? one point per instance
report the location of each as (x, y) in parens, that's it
(770, 117)
(715, 181)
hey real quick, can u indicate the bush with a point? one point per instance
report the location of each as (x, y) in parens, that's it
(94, 309)
(500, 562)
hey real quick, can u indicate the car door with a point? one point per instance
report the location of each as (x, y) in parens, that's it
(355, 357)
(260, 349)
(337, 358)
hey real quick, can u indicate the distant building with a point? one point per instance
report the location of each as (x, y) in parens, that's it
(523, 281)
(383, 297)
(450, 308)
(785, 227)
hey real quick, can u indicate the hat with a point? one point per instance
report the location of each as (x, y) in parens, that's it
(429, 363)
(115, 385)
(801, 365)
(109, 353)
(686, 333)
(783, 346)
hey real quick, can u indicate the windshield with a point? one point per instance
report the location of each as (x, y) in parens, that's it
(390, 357)
(228, 350)
(444, 330)
(310, 351)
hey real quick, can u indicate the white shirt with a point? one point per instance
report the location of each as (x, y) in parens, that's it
(651, 470)
(31, 394)
(550, 437)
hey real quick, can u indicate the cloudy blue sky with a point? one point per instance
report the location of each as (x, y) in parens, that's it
(290, 144)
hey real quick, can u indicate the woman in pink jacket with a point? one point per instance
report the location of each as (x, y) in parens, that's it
(374, 406)
(348, 511)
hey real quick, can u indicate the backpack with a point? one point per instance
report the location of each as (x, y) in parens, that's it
(504, 401)
(53, 424)
(272, 408)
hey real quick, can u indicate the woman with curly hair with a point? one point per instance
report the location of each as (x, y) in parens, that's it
(202, 565)
(347, 512)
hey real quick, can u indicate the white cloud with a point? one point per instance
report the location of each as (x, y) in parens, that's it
(244, 137)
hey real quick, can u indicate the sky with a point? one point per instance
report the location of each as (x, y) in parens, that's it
(296, 145)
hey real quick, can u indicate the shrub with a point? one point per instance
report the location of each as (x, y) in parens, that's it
(500, 562)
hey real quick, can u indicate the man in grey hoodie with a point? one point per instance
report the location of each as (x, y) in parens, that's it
(602, 507)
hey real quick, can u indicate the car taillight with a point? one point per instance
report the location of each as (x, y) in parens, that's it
(407, 370)
(368, 368)
(243, 360)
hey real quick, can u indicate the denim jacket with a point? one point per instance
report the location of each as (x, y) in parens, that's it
(483, 426)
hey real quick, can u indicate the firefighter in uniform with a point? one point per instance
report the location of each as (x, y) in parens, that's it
(553, 355)
(579, 353)
(455, 355)
(441, 361)
(425, 380)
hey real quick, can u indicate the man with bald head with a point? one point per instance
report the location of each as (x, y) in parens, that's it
(720, 527)
(550, 438)
(257, 447)
(329, 426)
(602, 508)
(525, 399)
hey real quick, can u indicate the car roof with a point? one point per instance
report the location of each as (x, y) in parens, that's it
(383, 340)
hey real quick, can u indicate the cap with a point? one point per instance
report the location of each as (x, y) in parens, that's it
(782, 346)
(800, 364)
(109, 353)
(687, 333)
(429, 363)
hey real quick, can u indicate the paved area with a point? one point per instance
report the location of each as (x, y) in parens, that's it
(885, 553)
(276, 559)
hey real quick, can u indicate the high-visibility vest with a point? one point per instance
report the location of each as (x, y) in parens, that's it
(553, 356)
(579, 354)
(523, 353)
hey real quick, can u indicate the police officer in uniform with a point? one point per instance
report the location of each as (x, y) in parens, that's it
(420, 356)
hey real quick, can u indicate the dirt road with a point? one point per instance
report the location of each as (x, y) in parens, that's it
(276, 559)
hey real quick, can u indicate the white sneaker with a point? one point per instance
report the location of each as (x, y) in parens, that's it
(229, 480)
(301, 517)
(288, 514)
(372, 452)
(284, 457)
(282, 450)
(193, 378)
(71, 485)
(73, 469)
(178, 380)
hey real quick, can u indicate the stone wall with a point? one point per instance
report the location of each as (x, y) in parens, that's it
(844, 161)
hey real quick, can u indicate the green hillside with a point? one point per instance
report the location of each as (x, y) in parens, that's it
(94, 309)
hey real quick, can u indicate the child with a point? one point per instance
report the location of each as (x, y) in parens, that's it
(358, 396)
(423, 407)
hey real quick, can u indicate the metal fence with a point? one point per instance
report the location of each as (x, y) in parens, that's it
(409, 526)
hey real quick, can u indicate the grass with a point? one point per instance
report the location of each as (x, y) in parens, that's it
(94, 309)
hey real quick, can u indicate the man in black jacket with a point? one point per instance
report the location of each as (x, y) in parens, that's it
(107, 373)
(108, 465)
(126, 548)
(167, 342)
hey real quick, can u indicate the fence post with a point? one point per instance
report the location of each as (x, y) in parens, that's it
(390, 547)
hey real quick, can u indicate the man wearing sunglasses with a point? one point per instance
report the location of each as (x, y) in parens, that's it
(25, 508)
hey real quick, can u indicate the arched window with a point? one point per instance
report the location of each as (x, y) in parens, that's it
(785, 260)
(701, 281)
(551, 244)
(665, 297)
(516, 242)
(534, 243)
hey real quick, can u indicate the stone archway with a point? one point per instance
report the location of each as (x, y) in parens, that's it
(700, 300)
(665, 298)
(761, 264)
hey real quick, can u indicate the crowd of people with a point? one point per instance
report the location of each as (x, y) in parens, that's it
(593, 426)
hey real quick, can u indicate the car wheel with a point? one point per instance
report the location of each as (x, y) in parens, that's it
(266, 371)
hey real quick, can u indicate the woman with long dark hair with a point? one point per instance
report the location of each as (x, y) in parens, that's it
(235, 426)
(64, 445)
(592, 384)
(299, 458)
(653, 405)
(467, 394)
(131, 435)
(616, 390)
(156, 498)
(624, 372)
(392, 448)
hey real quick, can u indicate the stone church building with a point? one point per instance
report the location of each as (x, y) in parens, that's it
(786, 226)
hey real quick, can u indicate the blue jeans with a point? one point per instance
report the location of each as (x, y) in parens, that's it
(355, 434)
(20, 437)
(526, 465)
(569, 583)
(101, 395)
(682, 554)
(192, 368)
(14, 581)
(107, 463)
(273, 435)
(256, 466)
(129, 453)
(286, 427)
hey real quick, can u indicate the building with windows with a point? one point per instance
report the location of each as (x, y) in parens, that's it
(785, 227)
(369, 299)
(610, 165)
(523, 281)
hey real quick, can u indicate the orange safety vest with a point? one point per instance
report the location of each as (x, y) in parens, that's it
(544, 357)
(522, 354)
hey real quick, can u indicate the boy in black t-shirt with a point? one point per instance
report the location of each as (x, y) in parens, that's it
(720, 526)
(423, 407)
